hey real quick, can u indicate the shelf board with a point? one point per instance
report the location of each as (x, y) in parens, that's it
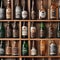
(29, 56)
(30, 20)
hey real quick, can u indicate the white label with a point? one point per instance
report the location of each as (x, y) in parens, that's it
(24, 30)
(33, 29)
(17, 12)
(1, 51)
(24, 14)
(33, 51)
(42, 14)
(1, 13)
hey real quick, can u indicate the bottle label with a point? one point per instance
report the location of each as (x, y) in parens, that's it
(15, 33)
(24, 51)
(33, 14)
(58, 34)
(24, 31)
(42, 14)
(17, 12)
(24, 14)
(8, 13)
(1, 51)
(42, 33)
(33, 51)
(33, 31)
(2, 13)
(52, 14)
(14, 51)
(53, 49)
(8, 50)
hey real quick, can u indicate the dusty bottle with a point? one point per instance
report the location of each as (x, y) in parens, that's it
(33, 50)
(15, 30)
(14, 48)
(8, 48)
(33, 30)
(53, 48)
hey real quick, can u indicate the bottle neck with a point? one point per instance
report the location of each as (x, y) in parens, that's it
(23, 5)
(33, 43)
(32, 4)
(59, 3)
(1, 3)
(41, 4)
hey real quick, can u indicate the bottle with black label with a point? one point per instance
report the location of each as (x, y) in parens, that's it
(2, 51)
(8, 30)
(33, 30)
(24, 48)
(17, 10)
(58, 30)
(33, 12)
(15, 30)
(53, 10)
(2, 30)
(33, 50)
(8, 49)
(24, 11)
(53, 48)
(42, 30)
(24, 30)
(2, 10)
(42, 11)
(14, 48)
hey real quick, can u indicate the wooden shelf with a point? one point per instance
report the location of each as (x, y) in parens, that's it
(30, 20)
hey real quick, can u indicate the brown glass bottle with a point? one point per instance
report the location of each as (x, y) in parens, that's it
(8, 10)
(51, 31)
(33, 30)
(53, 10)
(8, 48)
(8, 30)
(42, 11)
(24, 30)
(42, 47)
(14, 48)
(33, 12)
(15, 30)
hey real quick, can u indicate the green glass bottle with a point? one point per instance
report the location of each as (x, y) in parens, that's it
(2, 30)
(42, 30)
(24, 48)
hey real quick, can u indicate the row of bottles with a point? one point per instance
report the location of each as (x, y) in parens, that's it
(11, 48)
(12, 30)
(23, 13)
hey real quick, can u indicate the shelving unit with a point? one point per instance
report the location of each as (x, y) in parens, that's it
(30, 39)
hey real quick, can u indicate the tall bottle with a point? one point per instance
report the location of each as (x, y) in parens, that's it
(33, 50)
(2, 30)
(53, 48)
(2, 49)
(59, 10)
(14, 48)
(24, 11)
(33, 12)
(51, 31)
(24, 30)
(2, 10)
(53, 7)
(8, 30)
(8, 10)
(42, 47)
(24, 48)
(42, 11)
(58, 30)
(15, 30)
(42, 30)
(17, 10)
(8, 50)
(33, 30)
